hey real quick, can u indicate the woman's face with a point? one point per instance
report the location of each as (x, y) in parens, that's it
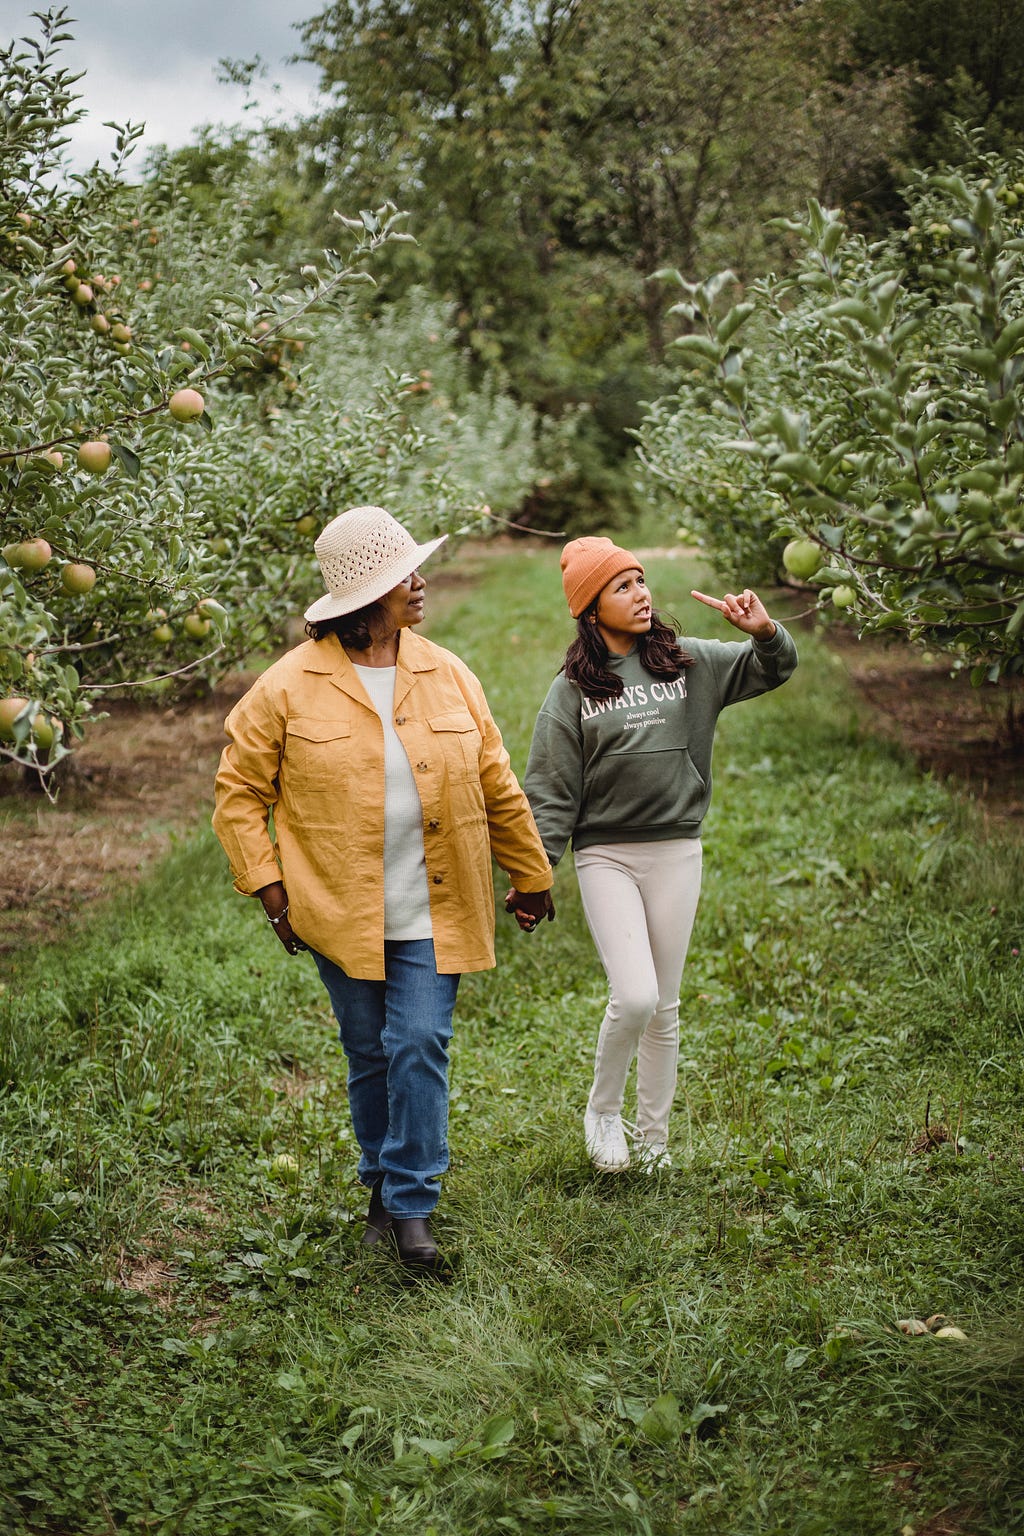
(624, 611)
(404, 604)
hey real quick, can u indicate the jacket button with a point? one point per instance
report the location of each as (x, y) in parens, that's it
(399, 719)
(433, 824)
(422, 767)
(438, 879)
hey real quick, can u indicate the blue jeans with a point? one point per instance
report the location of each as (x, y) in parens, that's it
(395, 1035)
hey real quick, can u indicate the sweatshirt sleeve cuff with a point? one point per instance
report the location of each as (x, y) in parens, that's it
(775, 644)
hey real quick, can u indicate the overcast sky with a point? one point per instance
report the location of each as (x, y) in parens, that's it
(155, 61)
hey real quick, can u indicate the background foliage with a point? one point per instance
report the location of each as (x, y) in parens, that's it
(870, 402)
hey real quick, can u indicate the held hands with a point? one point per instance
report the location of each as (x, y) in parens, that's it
(528, 908)
(746, 612)
(275, 905)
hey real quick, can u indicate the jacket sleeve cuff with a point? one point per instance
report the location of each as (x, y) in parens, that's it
(531, 884)
(252, 880)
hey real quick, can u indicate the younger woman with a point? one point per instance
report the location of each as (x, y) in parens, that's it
(621, 764)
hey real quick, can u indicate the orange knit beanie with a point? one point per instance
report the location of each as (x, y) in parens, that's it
(587, 565)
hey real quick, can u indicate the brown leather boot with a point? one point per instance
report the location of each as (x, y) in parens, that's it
(415, 1243)
(378, 1220)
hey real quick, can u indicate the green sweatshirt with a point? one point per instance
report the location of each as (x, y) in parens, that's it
(637, 769)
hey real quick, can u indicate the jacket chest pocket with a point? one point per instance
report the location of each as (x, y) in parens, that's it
(317, 754)
(459, 741)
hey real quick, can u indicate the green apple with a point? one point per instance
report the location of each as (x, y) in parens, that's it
(78, 579)
(10, 709)
(802, 558)
(843, 597)
(94, 457)
(83, 294)
(45, 731)
(186, 405)
(195, 626)
(120, 332)
(307, 524)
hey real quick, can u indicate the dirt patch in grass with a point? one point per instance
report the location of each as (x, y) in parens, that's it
(974, 736)
(144, 775)
(140, 776)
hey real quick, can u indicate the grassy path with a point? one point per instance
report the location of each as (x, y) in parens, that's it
(189, 1344)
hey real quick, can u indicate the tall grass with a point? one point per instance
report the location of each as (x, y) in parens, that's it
(190, 1344)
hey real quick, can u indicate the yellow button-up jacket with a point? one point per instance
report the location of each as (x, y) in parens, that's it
(306, 751)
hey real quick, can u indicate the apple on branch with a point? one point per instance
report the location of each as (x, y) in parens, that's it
(94, 457)
(78, 579)
(186, 405)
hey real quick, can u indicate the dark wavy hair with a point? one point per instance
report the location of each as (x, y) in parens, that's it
(586, 660)
(354, 630)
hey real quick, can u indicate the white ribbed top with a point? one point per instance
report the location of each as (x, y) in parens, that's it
(406, 898)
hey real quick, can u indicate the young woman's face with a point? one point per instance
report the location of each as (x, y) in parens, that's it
(624, 611)
(404, 604)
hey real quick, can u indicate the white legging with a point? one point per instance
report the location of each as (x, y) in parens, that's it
(640, 900)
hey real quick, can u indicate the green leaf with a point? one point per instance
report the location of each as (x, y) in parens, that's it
(196, 341)
(500, 1429)
(663, 1422)
(128, 460)
(799, 466)
(704, 1411)
(856, 309)
(731, 322)
(702, 346)
(1010, 337)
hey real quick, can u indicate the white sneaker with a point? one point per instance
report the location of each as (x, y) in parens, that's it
(652, 1156)
(606, 1141)
(649, 1156)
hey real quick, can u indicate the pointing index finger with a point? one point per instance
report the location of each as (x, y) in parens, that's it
(712, 602)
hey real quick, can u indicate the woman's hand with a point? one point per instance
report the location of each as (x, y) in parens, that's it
(275, 905)
(746, 612)
(529, 907)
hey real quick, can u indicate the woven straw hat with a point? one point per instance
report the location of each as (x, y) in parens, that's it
(363, 553)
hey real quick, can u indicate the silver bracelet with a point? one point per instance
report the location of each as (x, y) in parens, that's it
(273, 921)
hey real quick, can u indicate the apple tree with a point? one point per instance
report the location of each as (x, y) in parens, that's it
(179, 417)
(866, 411)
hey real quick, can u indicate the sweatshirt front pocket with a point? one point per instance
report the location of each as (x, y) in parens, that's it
(634, 790)
(316, 754)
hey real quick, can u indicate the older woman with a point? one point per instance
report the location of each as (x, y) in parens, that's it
(390, 790)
